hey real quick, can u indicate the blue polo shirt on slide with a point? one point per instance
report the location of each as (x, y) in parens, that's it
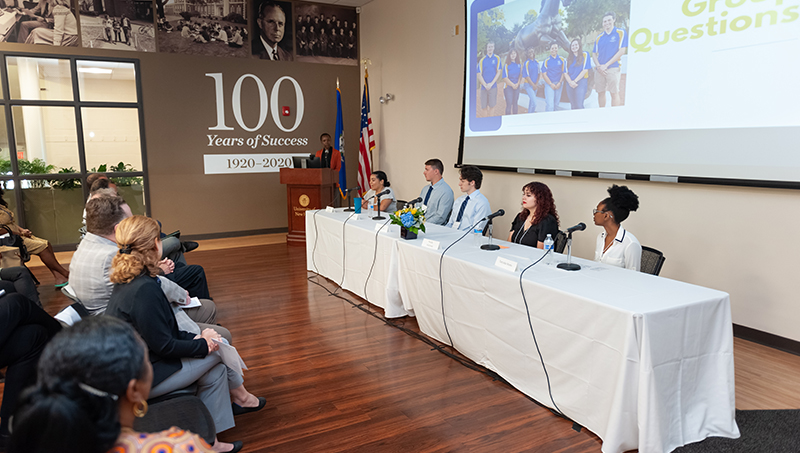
(531, 69)
(575, 68)
(512, 72)
(489, 66)
(554, 67)
(607, 45)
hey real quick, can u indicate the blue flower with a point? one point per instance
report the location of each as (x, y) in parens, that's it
(407, 219)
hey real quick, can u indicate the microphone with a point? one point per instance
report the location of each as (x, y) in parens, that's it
(350, 190)
(415, 200)
(579, 227)
(386, 192)
(499, 213)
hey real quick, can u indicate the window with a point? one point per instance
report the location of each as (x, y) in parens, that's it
(67, 117)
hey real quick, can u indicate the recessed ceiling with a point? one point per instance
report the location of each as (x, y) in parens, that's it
(344, 2)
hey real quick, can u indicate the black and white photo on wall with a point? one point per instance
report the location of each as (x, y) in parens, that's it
(49, 22)
(272, 30)
(213, 28)
(118, 24)
(326, 34)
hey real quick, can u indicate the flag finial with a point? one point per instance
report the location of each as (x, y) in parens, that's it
(337, 83)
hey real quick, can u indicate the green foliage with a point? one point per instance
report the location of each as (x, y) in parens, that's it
(587, 17)
(36, 166)
(124, 168)
(64, 184)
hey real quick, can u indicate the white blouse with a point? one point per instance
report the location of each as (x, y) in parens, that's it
(625, 250)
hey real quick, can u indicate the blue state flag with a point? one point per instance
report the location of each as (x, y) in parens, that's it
(339, 142)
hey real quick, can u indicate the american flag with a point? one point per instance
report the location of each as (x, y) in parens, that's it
(367, 142)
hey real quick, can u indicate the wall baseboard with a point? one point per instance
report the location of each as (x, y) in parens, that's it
(767, 339)
(195, 237)
(233, 234)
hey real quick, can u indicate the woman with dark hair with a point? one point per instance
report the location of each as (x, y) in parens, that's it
(379, 182)
(538, 217)
(25, 329)
(35, 246)
(511, 76)
(94, 379)
(577, 77)
(615, 245)
(179, 358)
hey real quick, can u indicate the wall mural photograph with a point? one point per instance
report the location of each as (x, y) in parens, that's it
(50, 22)
(213, 28)
(118, 24)
(326, 34)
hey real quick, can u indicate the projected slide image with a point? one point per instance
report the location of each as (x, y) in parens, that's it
(548, 55)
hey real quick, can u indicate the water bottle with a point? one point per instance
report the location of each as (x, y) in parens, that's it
(477, 236)
(548, 246)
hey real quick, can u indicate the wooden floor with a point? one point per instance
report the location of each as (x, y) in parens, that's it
(338, 379)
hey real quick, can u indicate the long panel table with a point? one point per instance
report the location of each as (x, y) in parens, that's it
(644, 362)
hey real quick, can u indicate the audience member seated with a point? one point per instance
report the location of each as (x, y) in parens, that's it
(437, 197)
(179, 358)
(94, 379)
(91, 264)
(615, 245)
(538, 217)
(35, 246)
(25, 329)
(17, 279)
(473, 206)
(379, 182)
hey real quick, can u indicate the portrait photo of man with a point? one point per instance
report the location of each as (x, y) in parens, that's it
(273, 33)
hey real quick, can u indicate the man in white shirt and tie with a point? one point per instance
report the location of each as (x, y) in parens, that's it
(272, 24)
(437, 197)
(473, 206)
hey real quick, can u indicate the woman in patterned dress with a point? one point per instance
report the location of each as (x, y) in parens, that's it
(94, 379)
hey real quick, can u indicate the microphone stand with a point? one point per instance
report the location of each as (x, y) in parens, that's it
(490, 246)
(349, 201)
(378, 207)
(569, 265)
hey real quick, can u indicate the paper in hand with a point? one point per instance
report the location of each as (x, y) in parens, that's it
(193, 303)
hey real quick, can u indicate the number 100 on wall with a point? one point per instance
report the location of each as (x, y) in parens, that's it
(266, 104)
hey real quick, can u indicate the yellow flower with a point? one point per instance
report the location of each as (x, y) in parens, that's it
(398, 213)
(414, 210)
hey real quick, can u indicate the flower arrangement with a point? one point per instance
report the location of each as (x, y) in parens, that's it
(411, 219)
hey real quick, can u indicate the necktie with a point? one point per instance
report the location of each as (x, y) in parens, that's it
(275, 54)
(461, 211)
(428, 196)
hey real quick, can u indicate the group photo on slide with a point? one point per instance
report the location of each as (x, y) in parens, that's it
(542, 56)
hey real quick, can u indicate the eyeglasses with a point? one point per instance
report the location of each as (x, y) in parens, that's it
(595, 211)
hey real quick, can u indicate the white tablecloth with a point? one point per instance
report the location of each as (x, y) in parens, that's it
(644, 362)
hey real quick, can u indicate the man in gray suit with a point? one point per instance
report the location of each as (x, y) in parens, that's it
(272, 24)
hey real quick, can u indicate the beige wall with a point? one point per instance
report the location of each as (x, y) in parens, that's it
(738, 240)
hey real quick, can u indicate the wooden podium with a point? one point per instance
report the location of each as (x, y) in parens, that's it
(306, 189)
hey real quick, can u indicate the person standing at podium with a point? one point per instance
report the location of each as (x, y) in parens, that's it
(437, 197)
(329, 156)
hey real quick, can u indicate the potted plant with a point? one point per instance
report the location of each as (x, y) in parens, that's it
(411, 221)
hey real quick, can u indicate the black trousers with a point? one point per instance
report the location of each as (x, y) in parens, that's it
(192, 278)
(25, 329)
(21, 281)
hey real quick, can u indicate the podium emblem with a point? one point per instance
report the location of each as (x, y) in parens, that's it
(304, 200)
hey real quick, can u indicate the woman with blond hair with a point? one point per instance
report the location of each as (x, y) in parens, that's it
(179, 358)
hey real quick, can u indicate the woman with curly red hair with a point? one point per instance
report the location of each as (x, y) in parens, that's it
(538, 217)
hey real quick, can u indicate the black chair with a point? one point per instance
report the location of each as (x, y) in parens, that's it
(652, 261)
(560, 242)
(178, 408)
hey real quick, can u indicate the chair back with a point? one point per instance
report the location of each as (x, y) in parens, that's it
(652, 261)
(560, 242)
